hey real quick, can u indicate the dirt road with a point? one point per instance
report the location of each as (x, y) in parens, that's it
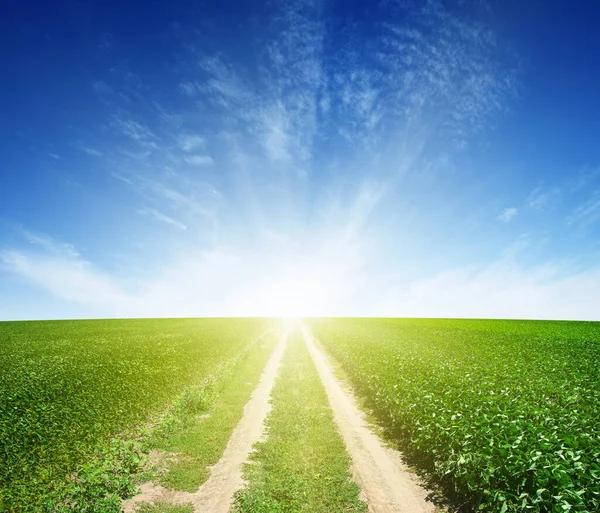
(216, 494)
(386, 484)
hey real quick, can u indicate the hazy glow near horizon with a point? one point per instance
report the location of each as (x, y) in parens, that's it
(296, 298)
(300, 158)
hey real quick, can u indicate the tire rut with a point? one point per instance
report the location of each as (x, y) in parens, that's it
(215, 495)
(387, 485)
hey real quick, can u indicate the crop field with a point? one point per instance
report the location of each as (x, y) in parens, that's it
(499, 415)
(69, 388)
(496, 416)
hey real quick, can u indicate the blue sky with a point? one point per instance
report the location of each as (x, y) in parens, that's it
(288, 157)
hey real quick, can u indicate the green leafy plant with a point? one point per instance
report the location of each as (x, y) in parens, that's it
(72, 391)
(501, 415)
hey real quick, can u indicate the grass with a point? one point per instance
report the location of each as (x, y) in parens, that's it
(164, 507)
(73, 394)
(200, 442)
(302, 466)
(502, 415)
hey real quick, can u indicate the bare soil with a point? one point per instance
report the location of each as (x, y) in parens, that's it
(216, 494)
(387, 485)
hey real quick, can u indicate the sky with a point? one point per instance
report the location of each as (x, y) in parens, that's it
(300, 157)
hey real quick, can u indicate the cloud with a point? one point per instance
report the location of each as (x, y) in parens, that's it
(107, 41)
(588, 212)
(217, 282)
(132, 129)
(449, 71)
(543, 199)
(309, 143)
(193, 198)
(584, 178)
(502, 290)
(277, 109)
(101, 87)
(323, 276)
(274, 125)
(67, 277)
(196, 199)
(224, 84)
(48, 244)
(307, 272)
(159, 216)
(368, 197)
(91, 151)
(397, 92)
(190, 142)
(199, 160)
(508, 214)
(188, 88)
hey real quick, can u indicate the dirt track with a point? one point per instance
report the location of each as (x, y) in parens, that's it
(387, 486)
(216, 494)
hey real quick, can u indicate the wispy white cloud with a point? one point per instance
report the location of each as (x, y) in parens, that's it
(296, 272)
(47, 243)
(502, 290)
(188, 88)
(449, 71)
(101, 87)
(588, 212)
(264, 280)
(107, 42)
(519, 246)
(190, 198)
(67, 277)
(508, 214)
(122, 178)
(585, 177)
(199, 160)
(543, 199)
(224, 84)
(274, 125)
(441, 79)
(277, 126)
(277, 110)
(367, 199)
(159, 216)
(191, 142)
(91, 151)
(323, 276)
(296, 80)
(132, 129)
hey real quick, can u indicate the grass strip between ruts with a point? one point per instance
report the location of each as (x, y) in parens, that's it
(302, 466)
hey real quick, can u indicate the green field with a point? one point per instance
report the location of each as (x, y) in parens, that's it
(497, 416)
(501, 415)
(68, 388)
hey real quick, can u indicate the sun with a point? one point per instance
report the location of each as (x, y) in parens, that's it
(292, 298)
